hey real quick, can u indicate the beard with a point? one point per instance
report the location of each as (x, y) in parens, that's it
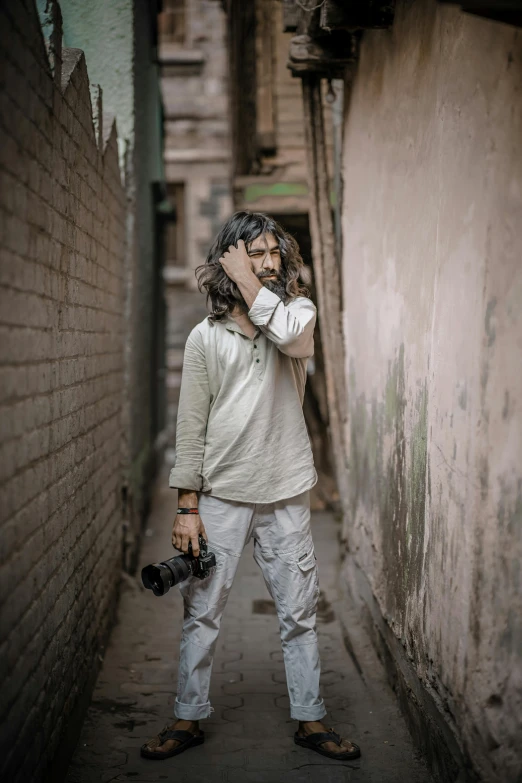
(278, 286)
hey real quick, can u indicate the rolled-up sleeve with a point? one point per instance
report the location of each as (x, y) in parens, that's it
(193, 410)
(290, 327)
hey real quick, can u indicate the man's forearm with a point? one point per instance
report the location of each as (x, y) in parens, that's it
(187, 498)
(249, 285)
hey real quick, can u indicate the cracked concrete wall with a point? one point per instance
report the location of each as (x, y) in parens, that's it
(432, 232)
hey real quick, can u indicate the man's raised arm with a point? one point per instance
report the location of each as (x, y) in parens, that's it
(290, 327)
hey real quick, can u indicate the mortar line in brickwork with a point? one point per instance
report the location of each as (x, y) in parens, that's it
(91, 380)
(48, 585)
(49, 142)
(50, 423)
(84, 599)
(13, 97)
(79, 647)
(70, 221)
(56, 452)
(10, 401)
(85, 602)
(65, 275)
(42, 460)
(111, 476)
(33, 362)
(102, 469)
(45, 233)
(67, 329)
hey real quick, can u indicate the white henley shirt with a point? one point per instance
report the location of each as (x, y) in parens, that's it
(241, 433)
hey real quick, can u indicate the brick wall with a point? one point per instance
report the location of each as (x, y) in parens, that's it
(119, 45)
(62, 241)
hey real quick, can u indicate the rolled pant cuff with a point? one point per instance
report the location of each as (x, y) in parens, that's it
(297, 712)
(192, 711)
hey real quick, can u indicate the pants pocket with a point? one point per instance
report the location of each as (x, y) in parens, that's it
(294, 578)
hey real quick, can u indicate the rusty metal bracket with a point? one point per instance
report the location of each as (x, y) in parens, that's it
(326, 57)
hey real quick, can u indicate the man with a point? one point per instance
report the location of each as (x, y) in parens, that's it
(244, 468)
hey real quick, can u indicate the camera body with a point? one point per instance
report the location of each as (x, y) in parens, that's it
(160, 577)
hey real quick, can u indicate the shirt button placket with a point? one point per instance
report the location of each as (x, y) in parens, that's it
(257, 359)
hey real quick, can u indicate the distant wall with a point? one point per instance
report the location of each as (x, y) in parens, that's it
(117, 39)
(432, 233)
(62, 207)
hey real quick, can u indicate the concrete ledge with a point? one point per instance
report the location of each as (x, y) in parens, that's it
(430, 728)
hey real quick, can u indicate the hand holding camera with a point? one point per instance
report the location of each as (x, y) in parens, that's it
(187, 529)
(160, 577)
(189, 536)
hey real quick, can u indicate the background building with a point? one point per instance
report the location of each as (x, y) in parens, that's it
(192, 52)
(269, 168)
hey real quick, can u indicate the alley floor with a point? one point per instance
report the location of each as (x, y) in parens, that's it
(249, 738)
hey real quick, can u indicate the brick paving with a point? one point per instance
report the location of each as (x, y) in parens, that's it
(248, 739)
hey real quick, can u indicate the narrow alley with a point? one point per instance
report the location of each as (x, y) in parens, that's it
(253, 252)
(249, 738)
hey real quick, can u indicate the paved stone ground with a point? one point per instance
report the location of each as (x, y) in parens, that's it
(249, 738)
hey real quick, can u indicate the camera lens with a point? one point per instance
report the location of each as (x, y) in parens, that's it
(157, 577)
(160, 577)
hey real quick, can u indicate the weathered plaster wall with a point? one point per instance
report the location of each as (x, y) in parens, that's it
(432, 231)
(106, 32)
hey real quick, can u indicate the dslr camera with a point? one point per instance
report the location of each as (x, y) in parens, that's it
(160, 577)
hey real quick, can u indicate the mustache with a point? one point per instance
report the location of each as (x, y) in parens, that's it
(269, 273)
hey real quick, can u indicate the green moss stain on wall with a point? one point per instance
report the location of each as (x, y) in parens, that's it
(390, 477)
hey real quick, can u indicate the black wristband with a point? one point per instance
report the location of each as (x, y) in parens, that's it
(188, 510)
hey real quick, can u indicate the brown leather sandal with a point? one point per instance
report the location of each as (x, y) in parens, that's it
(314, 742)
(187, 739)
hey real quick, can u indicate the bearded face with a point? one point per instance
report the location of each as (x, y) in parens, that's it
(267, 244)
(265, 254)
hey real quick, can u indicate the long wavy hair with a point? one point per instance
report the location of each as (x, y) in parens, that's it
(223, 294)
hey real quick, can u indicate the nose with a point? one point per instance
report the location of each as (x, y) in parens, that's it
(267, 261)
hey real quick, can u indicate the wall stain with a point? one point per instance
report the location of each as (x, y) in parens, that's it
(390, 478)
(505, 408)
(463, 398)
(509, 518)
(490, 323)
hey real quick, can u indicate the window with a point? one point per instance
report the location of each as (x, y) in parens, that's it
(175, 229)
(172, 22)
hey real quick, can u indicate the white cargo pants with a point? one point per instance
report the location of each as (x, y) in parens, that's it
(283, 549)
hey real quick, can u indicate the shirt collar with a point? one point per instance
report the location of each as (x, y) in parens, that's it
(231, 326)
